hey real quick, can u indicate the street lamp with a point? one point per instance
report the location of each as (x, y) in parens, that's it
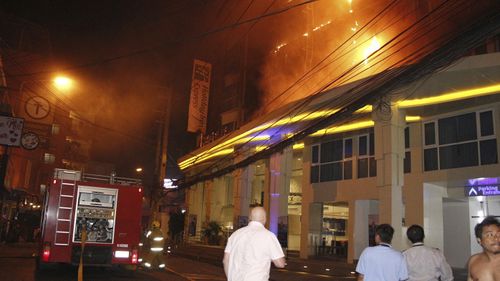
(139, 169)
(62, 83)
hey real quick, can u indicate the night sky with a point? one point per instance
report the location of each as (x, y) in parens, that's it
(128, 55)
(125, 56)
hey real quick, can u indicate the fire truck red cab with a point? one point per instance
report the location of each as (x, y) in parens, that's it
(108, 207)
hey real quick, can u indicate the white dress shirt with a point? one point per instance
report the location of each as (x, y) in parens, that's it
(251, 250)
(426, 264)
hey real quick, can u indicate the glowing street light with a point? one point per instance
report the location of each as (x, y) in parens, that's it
(63, 83)
(138, 169)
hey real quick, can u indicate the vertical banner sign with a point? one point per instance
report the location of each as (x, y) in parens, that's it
(198, 103)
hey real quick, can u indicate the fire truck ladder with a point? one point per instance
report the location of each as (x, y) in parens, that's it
(65, 212)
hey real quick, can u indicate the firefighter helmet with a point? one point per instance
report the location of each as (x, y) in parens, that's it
(155, 224)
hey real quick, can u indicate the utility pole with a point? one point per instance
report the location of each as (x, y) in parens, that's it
(157, 192)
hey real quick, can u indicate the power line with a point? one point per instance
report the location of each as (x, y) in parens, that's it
(386, 82)
(301, 104)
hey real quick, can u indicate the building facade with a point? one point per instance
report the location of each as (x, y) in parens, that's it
(426, 155)
(53, 135)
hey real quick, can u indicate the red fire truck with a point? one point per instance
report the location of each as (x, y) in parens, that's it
(108, 207)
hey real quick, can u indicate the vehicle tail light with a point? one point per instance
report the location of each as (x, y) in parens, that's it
(46, 252)
(134, 256)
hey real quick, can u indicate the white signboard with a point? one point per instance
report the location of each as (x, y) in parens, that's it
(169, 184)
(10, 130)
(198, 103)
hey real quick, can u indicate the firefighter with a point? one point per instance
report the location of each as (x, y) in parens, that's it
(154, 258)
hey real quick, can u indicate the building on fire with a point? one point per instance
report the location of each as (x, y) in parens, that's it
(426, 154)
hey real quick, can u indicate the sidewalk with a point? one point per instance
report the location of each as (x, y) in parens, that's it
(213, 255)
(327, 266)
(18, 250)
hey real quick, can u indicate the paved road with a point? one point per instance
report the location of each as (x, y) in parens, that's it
(18, 264)
(23, 269)
(179, 269)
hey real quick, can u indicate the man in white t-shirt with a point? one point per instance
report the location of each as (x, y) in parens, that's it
(251, 249)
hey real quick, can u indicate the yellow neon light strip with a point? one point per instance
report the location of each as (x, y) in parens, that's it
(260, 147)
(186, 164)
(447, 97)
(364, 109)
(410, 118)
(298, 145)
(355, 126)
(251, 139)
(333, 130)
(343, 128)
(241, 138)
(452, 96)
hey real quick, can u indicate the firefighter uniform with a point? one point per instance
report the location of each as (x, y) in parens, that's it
(154, 258)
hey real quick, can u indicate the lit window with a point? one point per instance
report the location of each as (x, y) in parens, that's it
(55, 129)
(49, 158)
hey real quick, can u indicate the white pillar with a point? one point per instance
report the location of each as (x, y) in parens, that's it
(307, 198)
(389, 153)
(433, 215)
(242, 187)
(280, 170)
(360, 233)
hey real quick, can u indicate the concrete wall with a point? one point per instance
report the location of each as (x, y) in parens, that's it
(315, 226)
(433, 215)
(360, 236)
(456, 232)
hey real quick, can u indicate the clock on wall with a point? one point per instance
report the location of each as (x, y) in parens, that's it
(30, 141)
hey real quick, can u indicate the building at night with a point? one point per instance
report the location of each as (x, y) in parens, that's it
(53, 135)
(424, 154)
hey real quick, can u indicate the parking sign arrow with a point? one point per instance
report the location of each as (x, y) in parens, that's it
(472, 190)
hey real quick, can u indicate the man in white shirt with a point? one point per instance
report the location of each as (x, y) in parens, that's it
(425, 263)
(250, 250)
(382, 262)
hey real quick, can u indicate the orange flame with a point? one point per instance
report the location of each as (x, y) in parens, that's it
(374, 46)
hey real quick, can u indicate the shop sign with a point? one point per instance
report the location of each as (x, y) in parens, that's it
(169, 183)
(482, 190)
(11, 130)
